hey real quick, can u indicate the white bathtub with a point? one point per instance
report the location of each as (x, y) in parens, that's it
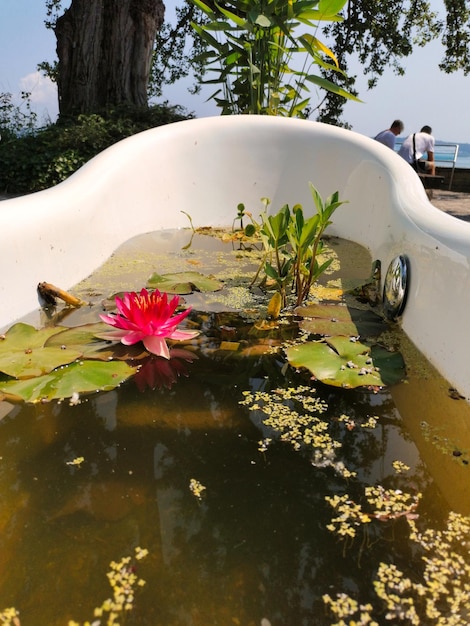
(205, 167)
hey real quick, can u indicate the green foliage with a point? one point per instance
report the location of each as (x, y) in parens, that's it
(279, 260)
(50, 364)
(457, 37)
(182, 283)
(305, 237)
(378, 35)
(292, 244)
(253, 48)
(171, 60)
(74, 379)
(37, 160)
(16, 119)
(343, 362)
(23, 353)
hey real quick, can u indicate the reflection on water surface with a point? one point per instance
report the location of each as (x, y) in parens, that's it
(255, 545)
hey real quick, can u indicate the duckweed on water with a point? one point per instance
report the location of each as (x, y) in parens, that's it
(438, 594)
(123, 581)
(264, 523)
(196, 488)
(303, 430)
(400, 467)
(9, 617)
(441, 597)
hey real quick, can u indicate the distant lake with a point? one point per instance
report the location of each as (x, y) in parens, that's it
(445, 151)
(463, 161)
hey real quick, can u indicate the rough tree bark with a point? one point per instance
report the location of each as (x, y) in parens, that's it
(105, 52)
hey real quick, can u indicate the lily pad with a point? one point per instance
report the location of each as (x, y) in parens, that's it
(341, 362)
(79, 377)
(24, 355)
(182, 283)
(89, 339)
(338, 319)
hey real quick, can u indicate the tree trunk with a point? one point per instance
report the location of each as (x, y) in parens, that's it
(105, 52)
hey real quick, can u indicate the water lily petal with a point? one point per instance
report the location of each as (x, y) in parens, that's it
(132, 337)
(111, 335)
(108, 319)
(156, 345)
(118, 322)
(183, 335)
(179, 317)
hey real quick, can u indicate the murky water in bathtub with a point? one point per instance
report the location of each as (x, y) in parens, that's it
(238, 517)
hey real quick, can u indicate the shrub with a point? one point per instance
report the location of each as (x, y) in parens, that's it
(38, 159)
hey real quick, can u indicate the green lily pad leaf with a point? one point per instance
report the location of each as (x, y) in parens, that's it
(23, 354)
(90, 338)
(340, 362)
(338, 319)
(77, 335)
(27, 390)
(183, 283)
(77, 378)
(84, 338)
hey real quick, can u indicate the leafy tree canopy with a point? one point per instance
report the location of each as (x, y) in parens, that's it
(378, 34)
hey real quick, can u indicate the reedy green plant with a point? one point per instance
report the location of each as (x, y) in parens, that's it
(278, 261)
(292, 243)
(253, 48)
(305, 238)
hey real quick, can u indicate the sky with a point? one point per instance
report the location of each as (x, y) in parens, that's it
(424, 95)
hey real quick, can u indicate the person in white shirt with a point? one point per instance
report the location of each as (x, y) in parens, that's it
(387, 137)
(415, 146)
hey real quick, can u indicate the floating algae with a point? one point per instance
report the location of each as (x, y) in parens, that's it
(230, 502)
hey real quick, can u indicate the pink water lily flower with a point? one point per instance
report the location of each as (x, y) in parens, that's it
(147, 317)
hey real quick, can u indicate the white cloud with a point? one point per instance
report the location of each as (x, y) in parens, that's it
(43, 94)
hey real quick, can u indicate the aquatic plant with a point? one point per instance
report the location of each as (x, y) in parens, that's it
(196, 488)
(58, 362)
(147, 317)
(293, 243)
(251, 47)
(305, 238)
(343, 361)
(331, 319)
(183, 282)
(297, 416)
(9, 617)
(55, 363)
(383, 505)
(278, 260)
(124, 582)
(439, 594)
